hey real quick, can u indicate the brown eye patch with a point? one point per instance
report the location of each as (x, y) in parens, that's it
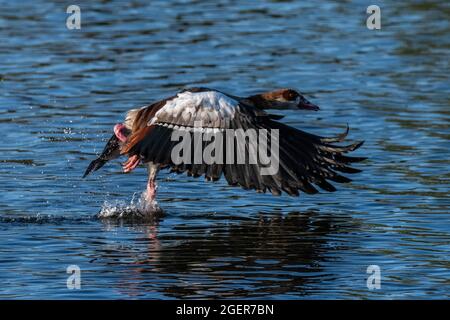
(290, 94)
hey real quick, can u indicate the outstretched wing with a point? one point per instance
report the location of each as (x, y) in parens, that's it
(303, 160)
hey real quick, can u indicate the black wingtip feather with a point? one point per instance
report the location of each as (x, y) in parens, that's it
(346, 169)
(94, 166)
(339, 138)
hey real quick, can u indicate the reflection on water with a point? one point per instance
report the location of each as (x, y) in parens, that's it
(63, 90)
(273, 254)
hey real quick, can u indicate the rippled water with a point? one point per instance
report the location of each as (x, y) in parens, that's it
(63, 90)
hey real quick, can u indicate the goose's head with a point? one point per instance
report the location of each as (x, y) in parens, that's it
(287, 98)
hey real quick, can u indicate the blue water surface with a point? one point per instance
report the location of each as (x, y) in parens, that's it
(62, 90)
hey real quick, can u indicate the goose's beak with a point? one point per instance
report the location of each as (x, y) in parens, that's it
(306, 105)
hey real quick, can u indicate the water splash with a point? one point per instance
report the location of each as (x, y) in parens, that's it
(136, 209)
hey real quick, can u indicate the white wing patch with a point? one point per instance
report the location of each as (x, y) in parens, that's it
(212, 108)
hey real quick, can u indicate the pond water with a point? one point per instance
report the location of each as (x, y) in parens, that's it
(62, 90)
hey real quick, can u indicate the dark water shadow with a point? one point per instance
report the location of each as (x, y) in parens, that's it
(271, 254)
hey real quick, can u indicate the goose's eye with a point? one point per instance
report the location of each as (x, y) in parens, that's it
(290, 95)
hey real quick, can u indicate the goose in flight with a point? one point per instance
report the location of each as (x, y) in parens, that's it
(304, 161)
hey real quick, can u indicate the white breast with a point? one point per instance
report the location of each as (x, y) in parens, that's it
(212, 108)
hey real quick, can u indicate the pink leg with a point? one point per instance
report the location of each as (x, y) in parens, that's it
(118, 128)
(150, 197)
(151, 191)
(131, 163)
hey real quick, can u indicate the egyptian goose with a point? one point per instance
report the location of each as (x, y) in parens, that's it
(304, 159)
